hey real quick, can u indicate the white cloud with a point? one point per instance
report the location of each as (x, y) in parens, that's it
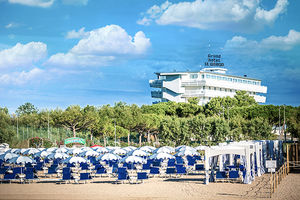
(102, 46)
(75, 2)
(219, 14)
(282, 43)
(77, 34)
(35, 3)
(145, 21)
(20, 78)
(23, 55)
(11, 25)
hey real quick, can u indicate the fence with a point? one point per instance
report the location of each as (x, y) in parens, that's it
(277, 177)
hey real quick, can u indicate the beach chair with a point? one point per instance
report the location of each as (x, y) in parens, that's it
(84, 166)
(141, 176)
(85, 177)
(179, 160)
(154, 171)
(52, 170)
(180, 170)
(9, 177)
(101, 171)
(66, 177)
(122, 177)
(3, 169)
(170, 171)
(156, 163)
(234, 175)
(146, 166)
(39, 166)
(199, 167)
(29, 176)
(221, 175)
(171, 163)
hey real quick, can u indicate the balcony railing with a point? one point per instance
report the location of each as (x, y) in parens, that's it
(156, 94)
(192, 83)
(155, 83)
(195, 93)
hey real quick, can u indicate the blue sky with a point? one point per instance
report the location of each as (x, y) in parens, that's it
(56, 53)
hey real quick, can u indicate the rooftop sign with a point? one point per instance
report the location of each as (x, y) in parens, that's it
(213, 61)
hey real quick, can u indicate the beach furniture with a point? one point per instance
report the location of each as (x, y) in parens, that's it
(171, 163)
(221, 175)
(154, 171)
(199, 167)
(181, 170)
(85, 177)
(122, 177)
(170, 171)
(67, 177)
(146, 166)
(9, 177)
(234, 175)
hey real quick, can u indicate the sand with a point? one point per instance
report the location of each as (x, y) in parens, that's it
(187, 187)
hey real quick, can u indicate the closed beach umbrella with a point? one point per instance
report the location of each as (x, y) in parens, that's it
(162, 156)
(133, 159)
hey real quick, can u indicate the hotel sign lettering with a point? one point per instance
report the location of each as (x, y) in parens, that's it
(74, 140)
(214, 60)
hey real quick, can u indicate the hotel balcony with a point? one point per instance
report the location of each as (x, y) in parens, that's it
(156, 94)
(193, 93)
(155, 83)
(192, 83)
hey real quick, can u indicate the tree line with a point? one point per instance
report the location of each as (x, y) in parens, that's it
(221, 119)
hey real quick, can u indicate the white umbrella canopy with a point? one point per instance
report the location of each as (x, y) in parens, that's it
(200, 148)
(187, 152)
(110, 148)
(129, 148)
(61, 150)
(183, 148)
(109, 156)
(89, 153)
(165, 149)
(75, 160)
(119, 151)
(102, 150)
(139, 153)
(23, 150)
(42, 154)
(133, 159)
(77, 151)
(148, 149)
(162, 156)
(31, 151)
(21, 160)
(57, 155)
(8, 156)
(51, 149)
(17, 151)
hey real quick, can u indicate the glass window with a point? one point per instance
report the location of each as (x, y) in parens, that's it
(229, 79)
(207, 76)
(230, 90)
(234, 80)
(193, 76)
(215, 88)
(162, 77)
(202, 76)
(225, 90)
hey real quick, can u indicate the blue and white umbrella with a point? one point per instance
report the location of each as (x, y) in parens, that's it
(89, 153)
(183, 148)
(30, 151)
(61, 150)
(52, 149)
(139, 153)
(187, 152)
(129, 148)
(8, 156)
(165, 149)
(108, 157)
(42, 154)
(21, 160)
(162, 156)
(102, 150)
(133, 159)
(148, 149)
(53, 156)
(74, 160)
(17, 151)
(119, 151)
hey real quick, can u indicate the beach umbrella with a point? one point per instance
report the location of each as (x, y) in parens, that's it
(74, 160)
(183, 147)
(129, 148)
(102, 150)
(95, 146)
(133, 159)
(119, 151)
(109, 156)
(201, 148)
(21, 160)
(148, 149)
(139, 153)
(52, 149)
(89, 153)
(8, 156)
(165, 149)
(77, 151)
(42, 154)
(53, 156)
(162, 156)
(31, 151)
(17, 151)
(187, 152)
(61, 150)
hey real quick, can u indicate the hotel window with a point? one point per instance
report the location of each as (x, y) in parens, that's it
(162, 77)
(240, 81)
(203, 87)
(202, 76)
(230, 90)
(218, 78)
(244, 81)
(194, 76)
(234, 80)
(220, 89)
(225, 90)
(207, 76)
(215, 88)
(229, 79)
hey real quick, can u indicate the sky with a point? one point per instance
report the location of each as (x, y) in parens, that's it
(56, 53)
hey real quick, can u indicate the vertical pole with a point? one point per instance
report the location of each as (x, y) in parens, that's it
(284, 124)
(287, 158)
(48, 125)
(115, 134)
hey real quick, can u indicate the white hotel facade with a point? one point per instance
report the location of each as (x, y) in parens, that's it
(204, 84)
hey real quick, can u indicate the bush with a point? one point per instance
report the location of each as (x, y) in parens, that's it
(35, 142)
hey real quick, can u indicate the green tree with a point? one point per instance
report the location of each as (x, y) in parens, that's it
(6, 133)
(27, 108)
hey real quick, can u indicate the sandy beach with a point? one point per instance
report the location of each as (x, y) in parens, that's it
(188, 187)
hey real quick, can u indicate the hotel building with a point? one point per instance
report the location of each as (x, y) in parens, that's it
(205, 84)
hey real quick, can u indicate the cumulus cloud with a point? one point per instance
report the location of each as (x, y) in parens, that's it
(77, 34)
(219, 14)
(23, 55)
(102, 46)
(282, 43)
(35, 3)
(20, 78)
